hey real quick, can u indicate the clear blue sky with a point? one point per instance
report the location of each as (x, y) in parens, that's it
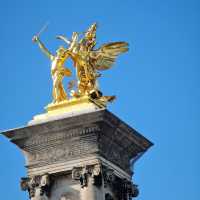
(156, 82)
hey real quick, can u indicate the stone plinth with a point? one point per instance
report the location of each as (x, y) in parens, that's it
(83, 157)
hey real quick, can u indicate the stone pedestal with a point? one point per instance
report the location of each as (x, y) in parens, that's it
(82, 157)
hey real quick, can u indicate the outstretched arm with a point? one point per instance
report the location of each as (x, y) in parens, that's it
(43, 48)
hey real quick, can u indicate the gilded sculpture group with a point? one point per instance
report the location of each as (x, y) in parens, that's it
(87, 62)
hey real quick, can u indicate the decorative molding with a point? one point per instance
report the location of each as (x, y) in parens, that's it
(63, 151)
(97, 133)
(39, 139)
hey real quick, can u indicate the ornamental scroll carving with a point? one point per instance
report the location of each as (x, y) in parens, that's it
(37, 186)
(83, 174)
(98, 174)
(122, 188)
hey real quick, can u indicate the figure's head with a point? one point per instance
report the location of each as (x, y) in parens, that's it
(60, 51)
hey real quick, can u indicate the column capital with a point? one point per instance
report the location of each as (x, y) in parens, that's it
(42, 183)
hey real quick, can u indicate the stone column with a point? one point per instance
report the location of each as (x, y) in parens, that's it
(82, 157)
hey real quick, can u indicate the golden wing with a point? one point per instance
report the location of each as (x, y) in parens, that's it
(104, 57)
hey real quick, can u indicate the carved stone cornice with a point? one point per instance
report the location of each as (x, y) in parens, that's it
(58, 137)
(63, 148)
(98, 133)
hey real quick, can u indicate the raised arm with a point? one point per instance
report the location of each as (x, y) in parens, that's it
(43, 48)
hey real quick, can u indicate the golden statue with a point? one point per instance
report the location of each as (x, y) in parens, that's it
(87, 62)
(58, 71)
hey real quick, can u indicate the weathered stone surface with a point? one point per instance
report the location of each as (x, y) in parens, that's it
(37, 186)
(98, 133)
(83, 157)
(94, 182)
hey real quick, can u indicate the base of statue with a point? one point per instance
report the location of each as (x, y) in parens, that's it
(71, 107)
